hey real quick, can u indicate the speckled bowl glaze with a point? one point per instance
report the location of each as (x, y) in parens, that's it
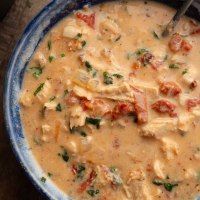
(22, 53)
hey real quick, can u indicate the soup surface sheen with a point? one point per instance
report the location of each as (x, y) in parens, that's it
(111, 109)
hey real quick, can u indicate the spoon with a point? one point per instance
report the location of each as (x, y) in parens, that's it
(179, 13)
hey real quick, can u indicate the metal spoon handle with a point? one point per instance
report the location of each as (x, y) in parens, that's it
(180, 12)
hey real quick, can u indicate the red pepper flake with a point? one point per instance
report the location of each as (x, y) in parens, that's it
(88, 182)
(88, 19)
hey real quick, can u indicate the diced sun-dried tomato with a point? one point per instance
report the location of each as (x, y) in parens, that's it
(140, 106)
(121, 109)
(191, 103)
(175, 43)
(164, 106)
(88, 19)
(170, 89)
(186, 46)
(88, 182)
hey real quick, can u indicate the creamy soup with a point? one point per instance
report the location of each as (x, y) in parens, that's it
(111, 109)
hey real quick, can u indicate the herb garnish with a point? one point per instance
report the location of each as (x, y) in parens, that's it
(118, 76)
(52, 98)
(39, 88)
(49, 44)
(62, 55)
(174, 66)
(141, 51)
(80, 170)
(93, 192)
(37, 71)
(64, 155)
(59, 107)
(88, 66)
(43, 179)
(118, 38)
(107, 78)
(168, 186)
(155, 35)
(65, 93)
(79, 35)
(49, 174)
(185, 71)
(78, 130)
(83, 43)
(51, 58)
(93, 121)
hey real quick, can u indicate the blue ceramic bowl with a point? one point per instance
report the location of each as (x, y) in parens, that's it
(23, 51)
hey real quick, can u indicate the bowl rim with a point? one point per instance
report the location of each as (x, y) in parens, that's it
(6, 103)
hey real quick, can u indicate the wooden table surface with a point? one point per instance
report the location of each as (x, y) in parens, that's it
(14, 185)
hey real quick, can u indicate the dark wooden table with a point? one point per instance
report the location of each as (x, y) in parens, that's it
(14, 185)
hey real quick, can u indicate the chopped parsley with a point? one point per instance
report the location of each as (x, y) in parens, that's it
(79, 35)
(174, 66)
(93, 121)
(39, 88)
(83, 43)
(118, 38)
(65, 93)
(49, 174)
(88, 66)
(170, 186)
(83, 133)
(59, 107)
(155, 35)
(43, 179)
(49, 44)
(51, 58)
(80, 170)
(52, 98)
(37, 71)
(62, 55)
(185, 71)
(64, 155)
(93, 192)
(167, 185)
(107, 78)
(78, 130)
(118, 76)
(141, 51)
